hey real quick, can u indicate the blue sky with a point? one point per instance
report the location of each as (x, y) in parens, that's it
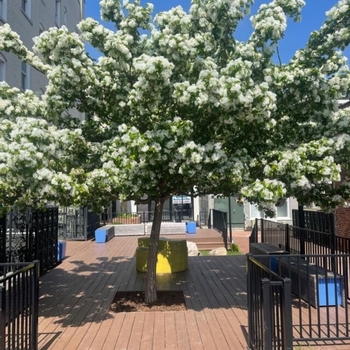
(296, 36)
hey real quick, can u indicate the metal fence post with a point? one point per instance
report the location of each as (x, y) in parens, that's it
(287, 327)
(35, 301)
(85, 228)
(287, 244)
(250, 303)
(2, 318)
(3, 238)
(262, 230)
(224, 228)
(267, 315)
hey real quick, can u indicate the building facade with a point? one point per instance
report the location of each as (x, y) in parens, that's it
(29, 18)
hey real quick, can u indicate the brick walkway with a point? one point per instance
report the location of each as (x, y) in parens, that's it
(241, 238)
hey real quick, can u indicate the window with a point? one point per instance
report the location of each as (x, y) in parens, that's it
(3, 10)
(2, 68)
(41, 28)
(58, 13)
(65, 16)
(281, 211)
(26, 7)
(255, 213)
(25, 76)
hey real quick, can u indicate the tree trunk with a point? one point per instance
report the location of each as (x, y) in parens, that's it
(151, 283)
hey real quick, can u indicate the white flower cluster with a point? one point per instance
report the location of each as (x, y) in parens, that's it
(10, 41)
(185, 105)
(270, 22)
(34, 159)
(14, 103)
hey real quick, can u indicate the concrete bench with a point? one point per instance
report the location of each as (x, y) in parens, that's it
(312, 283)
(104, 234)
(172, 255)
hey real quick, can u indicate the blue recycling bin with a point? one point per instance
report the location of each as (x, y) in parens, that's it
(61, 250)
(190, 227)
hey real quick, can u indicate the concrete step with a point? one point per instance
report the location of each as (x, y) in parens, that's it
(209, 245)
(142, 229)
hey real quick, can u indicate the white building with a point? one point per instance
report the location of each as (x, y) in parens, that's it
(242, 216)
(29, 18)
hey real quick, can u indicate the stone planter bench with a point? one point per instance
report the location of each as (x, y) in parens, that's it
(172, 255)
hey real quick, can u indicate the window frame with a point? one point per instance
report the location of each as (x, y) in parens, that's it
(253, 208)
(26, 7)
(65, 13)
(41, 28)
(25, 76)
(58, 13)
(3, 63)
(287, 205)
(3, 10)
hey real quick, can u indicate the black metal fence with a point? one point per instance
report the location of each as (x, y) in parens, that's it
(297, 240)
(19, 299)
(315, 303)
(317, 264)
(269, 308)
(77, 223)
(28, 236)
(219, 223)
(315, 220)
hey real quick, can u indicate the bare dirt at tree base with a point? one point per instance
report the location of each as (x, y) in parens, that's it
(134, 302)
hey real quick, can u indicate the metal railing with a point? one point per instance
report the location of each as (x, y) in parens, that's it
(315, 220)
(297, 240)
(116, 218)
(28, 236)
(269, 308)
(318, 266)
(19, 300)
(318, 296)
(219, 223)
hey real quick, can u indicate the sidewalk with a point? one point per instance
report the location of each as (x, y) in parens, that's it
(241, 238)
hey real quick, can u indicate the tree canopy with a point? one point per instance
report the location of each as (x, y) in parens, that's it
(176, 104)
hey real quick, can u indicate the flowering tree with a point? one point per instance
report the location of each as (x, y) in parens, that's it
(184, 107)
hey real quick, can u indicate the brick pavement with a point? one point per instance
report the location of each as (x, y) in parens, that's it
(241, 238)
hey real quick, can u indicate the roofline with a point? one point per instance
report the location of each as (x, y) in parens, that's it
(345, 105)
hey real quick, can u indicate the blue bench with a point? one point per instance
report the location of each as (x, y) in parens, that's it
(104, 234)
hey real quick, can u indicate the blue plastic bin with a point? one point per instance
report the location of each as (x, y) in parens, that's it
(331, 288)
(61, 250)
(190, 227)
(100, 236)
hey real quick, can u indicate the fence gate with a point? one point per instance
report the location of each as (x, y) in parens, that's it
(30, 235)
(77, 223)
